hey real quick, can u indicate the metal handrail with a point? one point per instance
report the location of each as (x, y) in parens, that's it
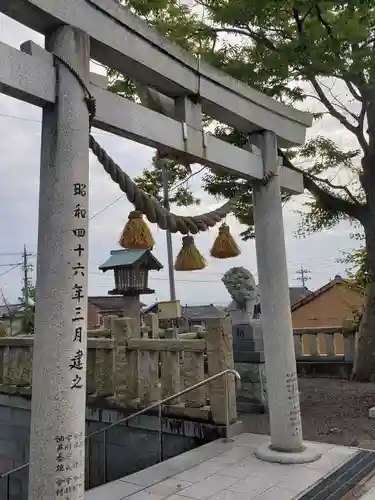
(159, 403)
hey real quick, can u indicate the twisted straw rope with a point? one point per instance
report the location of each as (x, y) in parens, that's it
(151, 207)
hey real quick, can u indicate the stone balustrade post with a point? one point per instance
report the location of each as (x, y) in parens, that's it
(218, 338)
(152, 322)
(104, 379)
(125, 361)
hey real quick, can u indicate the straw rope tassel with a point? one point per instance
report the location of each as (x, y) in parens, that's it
(136, 234)
(189, 257)
(224, 246)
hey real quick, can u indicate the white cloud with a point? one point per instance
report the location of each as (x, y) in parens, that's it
(19, 168)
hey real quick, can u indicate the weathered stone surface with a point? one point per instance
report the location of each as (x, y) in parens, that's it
(276, 318)
(250, 345)
(132, 309)
(248, 353)
(241, 286)
(104, 383)
(219, 358)
(148, 370)
(3, 329)
(247, 331)
(170, 374)
(194, 345)
(251, 372)
(253, 388)
(125, 360)
(192, 372)
(90, 375)
(248, 357)
(152, 321)
(59, 365)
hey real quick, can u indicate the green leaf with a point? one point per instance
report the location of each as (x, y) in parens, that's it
(288, 50)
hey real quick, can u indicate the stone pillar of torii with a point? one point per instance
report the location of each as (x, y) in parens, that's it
(57, 461)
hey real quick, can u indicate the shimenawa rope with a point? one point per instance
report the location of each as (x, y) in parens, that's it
(143, 202)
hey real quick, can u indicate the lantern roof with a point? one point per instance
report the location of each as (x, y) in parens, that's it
(127, 258)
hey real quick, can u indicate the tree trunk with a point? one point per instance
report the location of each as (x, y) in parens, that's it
(364, 368)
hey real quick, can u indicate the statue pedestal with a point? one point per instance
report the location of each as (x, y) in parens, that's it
(248, 354)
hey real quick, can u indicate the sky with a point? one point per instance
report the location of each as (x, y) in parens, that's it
(20, 127)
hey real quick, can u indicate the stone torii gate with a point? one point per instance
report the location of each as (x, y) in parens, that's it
(75, 31)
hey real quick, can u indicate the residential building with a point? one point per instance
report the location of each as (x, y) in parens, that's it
(105, 305)
(330, 305)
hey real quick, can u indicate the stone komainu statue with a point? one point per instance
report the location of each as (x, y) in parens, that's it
(241, 286)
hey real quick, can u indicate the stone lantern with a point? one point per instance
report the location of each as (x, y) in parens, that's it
(131, 268)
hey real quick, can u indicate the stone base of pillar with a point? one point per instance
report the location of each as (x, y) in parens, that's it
(306, 455)
(248, 353)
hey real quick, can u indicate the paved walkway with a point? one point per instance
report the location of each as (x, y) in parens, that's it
(225, 471)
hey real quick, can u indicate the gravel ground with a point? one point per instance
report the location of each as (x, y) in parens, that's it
(334, 411)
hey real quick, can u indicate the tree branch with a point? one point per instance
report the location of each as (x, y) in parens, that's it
(257, 37)
(327, 26)
(236, 31)
(351, 87)
(299, 22)
(360, 135)
(331, 202)
(329, 30)
(339, 104)
(332, 110)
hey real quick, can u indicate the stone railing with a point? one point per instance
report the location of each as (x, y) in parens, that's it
(333, 347)
(131, 372)
(16, 354)
(324, 342)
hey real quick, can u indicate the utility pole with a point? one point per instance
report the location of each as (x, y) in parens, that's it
(172, 286)
(26, 267)
(25, 276)
(303, 276)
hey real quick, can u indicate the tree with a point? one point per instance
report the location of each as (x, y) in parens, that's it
(28, 314)
(179, 192)
(358, 270)
(358, 275)
(295, 51)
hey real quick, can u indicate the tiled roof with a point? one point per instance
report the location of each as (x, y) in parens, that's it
(297, 293)
(202, 312)
(338, 280)
(130, 258)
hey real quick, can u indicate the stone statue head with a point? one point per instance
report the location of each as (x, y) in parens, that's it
(241, 286)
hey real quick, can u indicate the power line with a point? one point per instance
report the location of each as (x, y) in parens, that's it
(11, 269)
(34, 120)
(107, 206)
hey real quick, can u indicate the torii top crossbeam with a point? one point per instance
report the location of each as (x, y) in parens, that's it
(122, 41)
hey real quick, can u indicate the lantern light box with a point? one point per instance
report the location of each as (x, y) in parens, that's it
(131, 269)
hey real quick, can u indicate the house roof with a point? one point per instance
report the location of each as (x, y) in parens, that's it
(194, 312)
(338, 280)
(108, 302)
(202, 312)
(131, 258)
(296, 293)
